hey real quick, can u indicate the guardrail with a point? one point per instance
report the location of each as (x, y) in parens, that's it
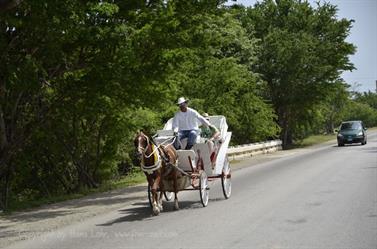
(245, 150)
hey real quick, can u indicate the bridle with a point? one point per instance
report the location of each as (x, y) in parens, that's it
(149, 169)
(140, 147)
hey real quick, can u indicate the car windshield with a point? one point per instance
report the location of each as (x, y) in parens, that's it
(350, 126)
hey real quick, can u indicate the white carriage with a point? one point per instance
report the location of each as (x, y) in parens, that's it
(201, 164)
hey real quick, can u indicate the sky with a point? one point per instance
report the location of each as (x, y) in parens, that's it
(363, 35)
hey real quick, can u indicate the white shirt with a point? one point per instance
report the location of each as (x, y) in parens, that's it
(188, 120)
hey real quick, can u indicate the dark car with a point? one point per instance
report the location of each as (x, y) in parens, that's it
(352, 132)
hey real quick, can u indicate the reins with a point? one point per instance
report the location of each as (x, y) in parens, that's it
(156, 147)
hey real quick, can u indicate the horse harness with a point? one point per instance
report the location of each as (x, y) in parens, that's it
(158, 155)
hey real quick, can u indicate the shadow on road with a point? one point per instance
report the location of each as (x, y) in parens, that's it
(348, 145)
(137, 213)
(142, 211)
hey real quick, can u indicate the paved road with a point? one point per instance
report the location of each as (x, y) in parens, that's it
(324, 197)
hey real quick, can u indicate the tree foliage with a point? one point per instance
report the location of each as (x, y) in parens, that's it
(363, 107)
(303, 52)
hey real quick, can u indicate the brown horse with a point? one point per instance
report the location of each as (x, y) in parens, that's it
(156, 162)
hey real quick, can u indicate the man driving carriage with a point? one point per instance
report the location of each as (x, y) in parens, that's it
(185, 121)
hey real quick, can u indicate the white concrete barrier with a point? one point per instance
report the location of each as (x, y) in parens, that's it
(245, 150)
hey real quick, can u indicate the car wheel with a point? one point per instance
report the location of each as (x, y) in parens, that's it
(340, 145)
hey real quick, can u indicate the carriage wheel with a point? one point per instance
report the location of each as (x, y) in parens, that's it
(203, 188)
(226, 179)
(168, 195)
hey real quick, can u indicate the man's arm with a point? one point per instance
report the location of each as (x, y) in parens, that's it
(203, 120)
(174, 124)
(216, 133)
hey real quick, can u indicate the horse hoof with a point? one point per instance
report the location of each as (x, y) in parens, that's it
(160, 207)
(176, 205)
(156, 211)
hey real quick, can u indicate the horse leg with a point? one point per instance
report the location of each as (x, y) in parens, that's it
(155, 207)
(176, 204)
(161, 194)
(153, 188)
(160, 206)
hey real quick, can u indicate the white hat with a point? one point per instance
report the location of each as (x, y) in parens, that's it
(181, 100)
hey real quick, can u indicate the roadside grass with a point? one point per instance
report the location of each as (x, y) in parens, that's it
(134, 178)
(311, 140)
(315, 139)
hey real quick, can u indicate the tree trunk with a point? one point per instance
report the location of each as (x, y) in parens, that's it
(85, 178)
(3, 132)
(4, 193)
(286, 133)
(8, 4)
(286, 137)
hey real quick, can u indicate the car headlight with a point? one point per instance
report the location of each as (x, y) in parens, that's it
(340, 135)
(360, 133)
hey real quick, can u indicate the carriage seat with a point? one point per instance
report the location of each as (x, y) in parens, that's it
(186, 158)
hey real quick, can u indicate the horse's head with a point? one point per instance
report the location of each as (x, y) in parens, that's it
(141, 143)
(147, 153)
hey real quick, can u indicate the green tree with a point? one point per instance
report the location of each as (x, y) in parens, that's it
(303, 52)
(70, 78)
(362, 106)
(368, 98)
(361, 111)
(214, 73)
(334, 107)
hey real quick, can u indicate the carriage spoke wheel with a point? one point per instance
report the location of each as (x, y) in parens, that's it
(226, 184)
(203, 188)
(226, 179)
(168, 195)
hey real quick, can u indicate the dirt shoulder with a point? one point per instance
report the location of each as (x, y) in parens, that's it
(32, 223)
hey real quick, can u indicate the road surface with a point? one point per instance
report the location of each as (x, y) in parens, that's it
(322, 197)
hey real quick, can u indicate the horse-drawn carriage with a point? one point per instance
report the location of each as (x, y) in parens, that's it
(183, 170)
